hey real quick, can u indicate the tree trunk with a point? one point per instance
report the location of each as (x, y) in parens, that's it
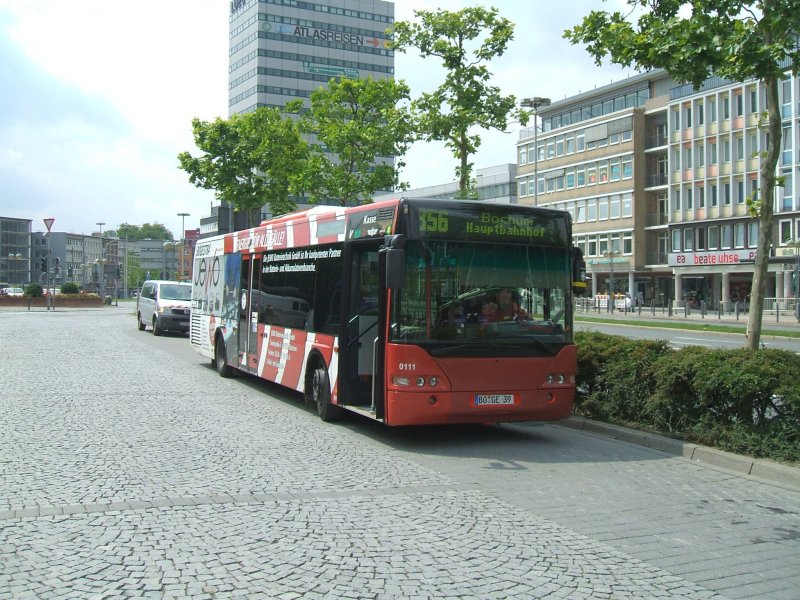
(765, 214)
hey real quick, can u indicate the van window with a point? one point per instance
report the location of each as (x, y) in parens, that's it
(174, 291)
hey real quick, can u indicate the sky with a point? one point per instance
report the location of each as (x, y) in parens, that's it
(97, 99)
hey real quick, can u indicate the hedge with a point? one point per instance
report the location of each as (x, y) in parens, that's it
(744, 401)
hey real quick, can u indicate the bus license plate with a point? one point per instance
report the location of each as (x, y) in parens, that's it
(494, 399)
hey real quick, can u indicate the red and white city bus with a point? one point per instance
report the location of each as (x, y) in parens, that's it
(409, 311)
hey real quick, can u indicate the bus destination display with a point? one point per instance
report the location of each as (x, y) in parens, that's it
(488, 225)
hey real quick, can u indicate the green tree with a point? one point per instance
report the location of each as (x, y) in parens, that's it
(362, 123)
(691, 41)
(464, 41)
(249, 160)
(133, 233)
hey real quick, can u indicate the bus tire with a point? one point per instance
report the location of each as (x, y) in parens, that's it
(142, 325)
(220, 358)
(321, 393)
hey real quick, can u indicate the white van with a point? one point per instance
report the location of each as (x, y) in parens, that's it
(164, 306)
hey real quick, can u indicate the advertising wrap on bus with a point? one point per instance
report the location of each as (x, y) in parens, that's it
(469, 322)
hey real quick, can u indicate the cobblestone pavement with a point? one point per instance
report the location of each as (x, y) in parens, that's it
(128, 472)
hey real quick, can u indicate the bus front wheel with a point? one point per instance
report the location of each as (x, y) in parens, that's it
(220, 358)
(321, 394)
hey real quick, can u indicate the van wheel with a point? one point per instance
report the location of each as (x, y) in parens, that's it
(220, 358)
(321, 393)
(156, 329)
(140, 323)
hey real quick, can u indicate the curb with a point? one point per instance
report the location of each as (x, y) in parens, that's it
(767, 471)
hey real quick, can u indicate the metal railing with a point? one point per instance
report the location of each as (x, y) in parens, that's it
(777, 310)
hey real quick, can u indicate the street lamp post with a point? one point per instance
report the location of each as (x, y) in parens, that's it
(535, 103)
(101, 278)
(183, 216)
(610, 254)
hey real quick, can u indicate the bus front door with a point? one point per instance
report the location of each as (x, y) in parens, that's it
(363, 329)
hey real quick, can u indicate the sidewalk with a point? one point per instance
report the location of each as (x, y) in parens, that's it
(784, 322)
(764, 470)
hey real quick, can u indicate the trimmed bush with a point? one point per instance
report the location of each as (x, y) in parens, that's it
(738, 400)
(70, 287)
(34, 289)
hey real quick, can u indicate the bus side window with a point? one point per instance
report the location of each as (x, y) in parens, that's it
(327, 305)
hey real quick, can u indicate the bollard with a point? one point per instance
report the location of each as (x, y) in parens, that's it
(736, 306)
(703, 309)
(669, 308)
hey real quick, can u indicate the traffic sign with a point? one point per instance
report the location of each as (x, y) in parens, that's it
(49, 223)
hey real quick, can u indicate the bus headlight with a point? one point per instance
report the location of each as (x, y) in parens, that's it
(401, 381)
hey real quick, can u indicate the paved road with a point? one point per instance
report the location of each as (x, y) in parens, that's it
(129, 469)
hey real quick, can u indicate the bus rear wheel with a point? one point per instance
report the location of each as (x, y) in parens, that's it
(220, 358)
(321, 394)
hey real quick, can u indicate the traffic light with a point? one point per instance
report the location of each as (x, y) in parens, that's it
(69, 272)
(57, 267)
(43, 266)
(119, 271)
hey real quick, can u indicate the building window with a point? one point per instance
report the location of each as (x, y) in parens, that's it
(713, 238)
(726, 190)
(752, 234)
(738, 235)
(581, 176)
(615, 206)
(727, 236)
(740, 192)
(726, 151)
(676, 199)
(712, 153)
(700, 113)
(712, 111)
(701, 197)
(701, 238)
(614, 167)
(689, 199)
(627, 243)
(602, 209)
(523, 153)
(591, 210)
(688, 239)
(627, 167)
(676, 240)
(713, 195)
(726, 107)
(699, 155)
(523, 187)
(627, 205)
(580, 210)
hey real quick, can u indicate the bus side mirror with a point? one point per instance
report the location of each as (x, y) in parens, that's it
(579, 287)
(395, 261)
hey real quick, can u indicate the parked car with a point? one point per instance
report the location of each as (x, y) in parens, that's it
(12, 291)
(164, 306)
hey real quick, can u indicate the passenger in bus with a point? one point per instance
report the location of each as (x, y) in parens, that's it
(488, 312)
(508, 308)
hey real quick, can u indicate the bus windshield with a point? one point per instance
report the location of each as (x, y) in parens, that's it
(474, 299)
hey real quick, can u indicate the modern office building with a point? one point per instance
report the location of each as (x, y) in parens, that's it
(15, 252)
(657, 176)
